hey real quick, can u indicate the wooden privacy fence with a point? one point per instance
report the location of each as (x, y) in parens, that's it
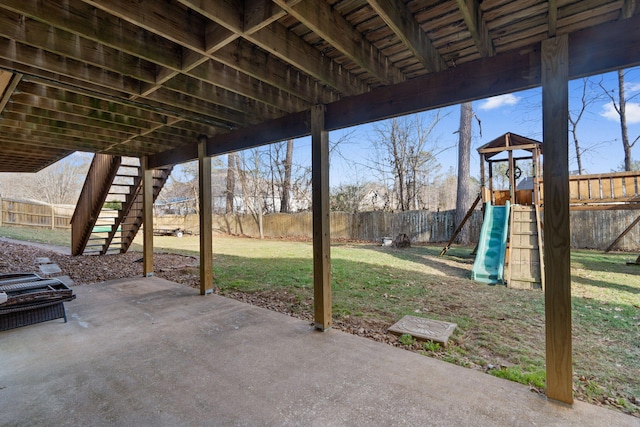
(589, 229)
(35, 214)
(421, 226)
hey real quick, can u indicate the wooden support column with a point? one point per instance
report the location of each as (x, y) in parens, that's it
(555, 110)
(206, 232)
(321, 233)
(147, 218)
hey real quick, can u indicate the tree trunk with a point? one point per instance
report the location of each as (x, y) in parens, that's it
(463, 196)
(285, 202)
(576, 144)
(260, 222)
(623, 122)
(232, 159)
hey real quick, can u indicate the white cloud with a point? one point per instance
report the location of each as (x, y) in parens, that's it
(633, 112)
(632, 87)
(499, 101)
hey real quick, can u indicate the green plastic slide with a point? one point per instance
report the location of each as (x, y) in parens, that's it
(488, 266)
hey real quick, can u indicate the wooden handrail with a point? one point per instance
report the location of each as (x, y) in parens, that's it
(94, 192)
(601, 190)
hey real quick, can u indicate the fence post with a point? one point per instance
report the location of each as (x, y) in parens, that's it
(1, 211)
(53, 217)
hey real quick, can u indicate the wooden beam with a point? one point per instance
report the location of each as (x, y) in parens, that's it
(7, 92)
(476, 25)
(261, 29)
(282, 43)
(291, 126)
(69, 67)
(603, 48)
(98, 26)
(557, 245)
(43, 36)
(398, 17)
(147, 218)
(205, 218)
(188, 30)
(629, 8)
(245, 57)
(552, 20)
(259, 14)
(165, 19)
(327, 23)
(84, 20)
(228, 78)
(492, 76)
(321, 229)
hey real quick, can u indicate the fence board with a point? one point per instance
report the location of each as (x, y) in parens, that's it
(23, 213)
(589, 229)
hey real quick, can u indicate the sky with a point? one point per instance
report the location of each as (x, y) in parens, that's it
(519, 113)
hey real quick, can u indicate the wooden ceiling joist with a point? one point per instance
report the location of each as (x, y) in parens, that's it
(476, 25)
(156, 77)
(319, 17)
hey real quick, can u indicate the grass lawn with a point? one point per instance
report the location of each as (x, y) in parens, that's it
(40, 235)
(500, 330)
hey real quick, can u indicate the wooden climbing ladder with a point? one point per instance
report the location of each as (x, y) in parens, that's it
(525, 261)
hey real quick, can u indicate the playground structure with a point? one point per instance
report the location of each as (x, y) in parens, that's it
(510, 246)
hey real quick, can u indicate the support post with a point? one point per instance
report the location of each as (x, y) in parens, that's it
(147, 218)
(206, 232)
(321, 232)
(555, 107)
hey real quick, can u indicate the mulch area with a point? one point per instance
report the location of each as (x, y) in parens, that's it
(182, 269)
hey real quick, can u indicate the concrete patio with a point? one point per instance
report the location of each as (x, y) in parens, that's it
(151, 352)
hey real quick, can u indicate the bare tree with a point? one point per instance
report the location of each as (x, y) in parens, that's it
(232, 160)
(463, 195)
(404, 149)
(285, 200)
(249, 169)
(619, 104)
(588, 97)
(190, 185)
(59, 183)
(446, 191)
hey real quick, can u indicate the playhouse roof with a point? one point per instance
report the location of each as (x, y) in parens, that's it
(509, 141)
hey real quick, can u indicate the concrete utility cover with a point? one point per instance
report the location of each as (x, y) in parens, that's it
(49, 268)
(422, 328)
(43, 260)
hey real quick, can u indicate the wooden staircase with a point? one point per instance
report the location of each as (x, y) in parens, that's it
(109, 211)
(525, 269)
